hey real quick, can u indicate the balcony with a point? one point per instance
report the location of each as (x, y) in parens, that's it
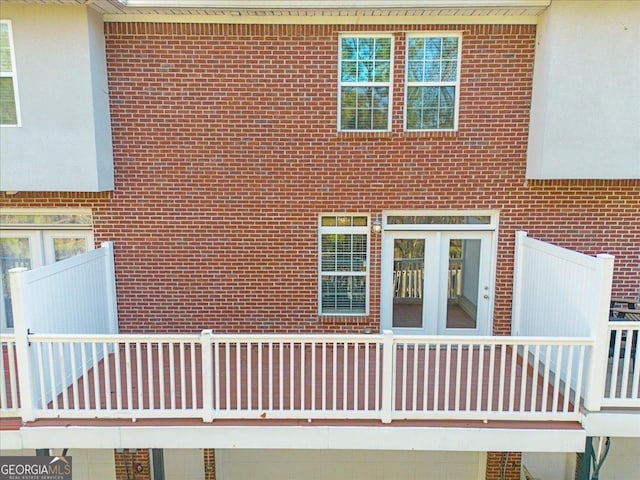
(101, 375)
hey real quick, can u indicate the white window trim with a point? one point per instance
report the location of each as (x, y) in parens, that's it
(455, 84)
(14, 75)
(388, 84)
(355, 230)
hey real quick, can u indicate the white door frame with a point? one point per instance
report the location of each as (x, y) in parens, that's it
(436, 236)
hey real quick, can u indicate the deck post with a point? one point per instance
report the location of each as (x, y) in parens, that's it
(206, 343)
(516, 304)
(599, 331)
(387, 376)
(26, 377)
(110, 283)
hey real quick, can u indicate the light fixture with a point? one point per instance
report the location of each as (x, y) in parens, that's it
(376, 225)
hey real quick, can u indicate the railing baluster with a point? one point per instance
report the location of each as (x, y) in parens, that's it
(556, 380)
(436, 379)
(512, 382)
(578, 390)
(534, 379)
(367, 366)
(481, 355)
(492, 361)
(52, 376)
(118, 375)
(546, 379)
(414, 387)
(626, 362)
(40, 373)
(216, 378)
(447, 377)
(139, 376)
(63, 375)
(183, 380)
(567, 383)
(13, 378)
(403, 405)
(172, 374)
(150, 376)
(161, 376)
(249, 375)
(96, 375)
(302, 374)
(85, 377)
(378, 374)
(470, 350)
(281, 376)
(227, 374)
(523, 380)
(107, 375)
(425, 377)
(313, 376)
(259, 370)
(345, 374)
(271, 375)
(355, 375)
(129, 373)
(238, 347)
(502, 374)
(291, 375)
(456, 405)
(194, 385)
(334, 377)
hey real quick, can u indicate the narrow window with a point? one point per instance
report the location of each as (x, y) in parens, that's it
(365, 83)
(344, 264)
(433, 80)
(9, 111)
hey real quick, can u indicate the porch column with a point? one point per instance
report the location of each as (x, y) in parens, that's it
(508, 462)
(132, 463)
(209, 455)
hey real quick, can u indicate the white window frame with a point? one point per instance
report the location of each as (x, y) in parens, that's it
(388, 84)
(13, 74)
(455, 84)
(322, 230)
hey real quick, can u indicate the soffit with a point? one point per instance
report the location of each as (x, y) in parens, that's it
(311, 8)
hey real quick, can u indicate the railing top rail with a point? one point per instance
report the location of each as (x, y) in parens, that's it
(7, 337)
(322, 338)
(496, 340)
(112, 337)
(624, 325)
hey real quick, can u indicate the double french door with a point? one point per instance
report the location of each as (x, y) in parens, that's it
(437, 282)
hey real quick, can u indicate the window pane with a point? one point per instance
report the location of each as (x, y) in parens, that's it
(68, 247)
(14, 252)
(349, 70)
(8, 115)
(349, 48)
(5, 49)
(45, 220)
(408, 282)
(438, 220)
(383, 49)
(343, 294)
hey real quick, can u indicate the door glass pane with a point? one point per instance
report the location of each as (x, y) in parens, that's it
(68, 247)
(14, 252)
(462, 288)
(408, 280)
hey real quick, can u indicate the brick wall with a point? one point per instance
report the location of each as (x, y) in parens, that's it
(503, 465)
(131, 466)
(226, 150)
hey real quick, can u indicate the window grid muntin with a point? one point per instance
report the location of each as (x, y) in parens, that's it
(438, 86)
(341, 291)
(10, 73)
(379, 107)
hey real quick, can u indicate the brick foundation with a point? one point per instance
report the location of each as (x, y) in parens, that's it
(209, 455)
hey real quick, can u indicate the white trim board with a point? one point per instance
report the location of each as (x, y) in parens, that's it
(311, 437)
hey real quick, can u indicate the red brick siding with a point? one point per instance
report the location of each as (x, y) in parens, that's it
(133, 465)
(226, 150)
(507, 463)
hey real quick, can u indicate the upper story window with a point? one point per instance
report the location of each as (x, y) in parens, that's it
(432, 82)
(344, 264)
(365, 82)
(9, 111)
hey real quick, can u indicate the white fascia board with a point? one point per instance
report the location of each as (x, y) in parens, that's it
(11, 440)
(321, 437)
(341, 4)
(612, 424)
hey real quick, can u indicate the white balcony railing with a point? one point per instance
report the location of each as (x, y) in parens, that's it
(9, 398)
(303, 377)
(622, 385)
